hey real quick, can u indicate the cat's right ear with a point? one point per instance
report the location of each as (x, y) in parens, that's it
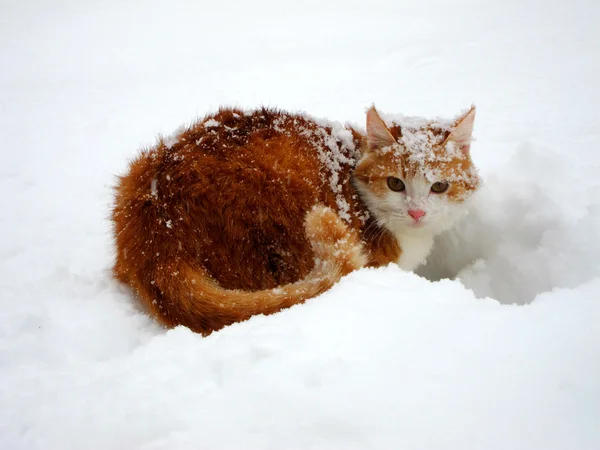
(378, 135)
(461, 134)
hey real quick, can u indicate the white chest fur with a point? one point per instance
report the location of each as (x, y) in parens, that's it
(415, 249)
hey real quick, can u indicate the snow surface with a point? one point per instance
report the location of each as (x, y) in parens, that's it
(505, 357)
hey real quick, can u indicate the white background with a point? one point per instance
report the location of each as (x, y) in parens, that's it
(506, 357)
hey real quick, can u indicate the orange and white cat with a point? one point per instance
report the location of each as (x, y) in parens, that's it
(249, 212)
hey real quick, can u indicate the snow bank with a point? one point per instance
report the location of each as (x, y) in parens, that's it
(385, 359)
(534, 227)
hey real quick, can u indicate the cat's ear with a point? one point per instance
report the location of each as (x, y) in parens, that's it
(378, 134)
(461, 134)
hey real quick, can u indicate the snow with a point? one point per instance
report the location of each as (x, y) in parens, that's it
(340, 152)
(211, 123)
(505, 357)
(170, 141)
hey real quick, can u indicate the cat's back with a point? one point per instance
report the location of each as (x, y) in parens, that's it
(275, 146)
(265, 138)
(232, 191)
(271, 152)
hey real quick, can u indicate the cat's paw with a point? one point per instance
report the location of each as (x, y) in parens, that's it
(333, 241)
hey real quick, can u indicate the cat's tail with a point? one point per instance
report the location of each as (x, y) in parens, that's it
(202, 305)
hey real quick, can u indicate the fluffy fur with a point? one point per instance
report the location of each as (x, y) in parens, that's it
(247, 213)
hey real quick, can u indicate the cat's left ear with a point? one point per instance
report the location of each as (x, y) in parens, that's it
(461, 134)
(378, 134)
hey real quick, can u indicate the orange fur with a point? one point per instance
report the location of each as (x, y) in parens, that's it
(244, 214)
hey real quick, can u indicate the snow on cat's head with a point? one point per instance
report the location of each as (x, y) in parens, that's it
(416, 174)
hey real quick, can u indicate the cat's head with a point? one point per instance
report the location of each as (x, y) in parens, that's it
(416, 174)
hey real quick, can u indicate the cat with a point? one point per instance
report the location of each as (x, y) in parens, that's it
(249, 212)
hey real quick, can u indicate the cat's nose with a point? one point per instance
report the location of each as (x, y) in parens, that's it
(416, 214)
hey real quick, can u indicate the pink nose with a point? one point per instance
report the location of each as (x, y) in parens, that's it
(416, 214)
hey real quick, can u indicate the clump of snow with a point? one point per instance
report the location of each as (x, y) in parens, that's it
(453, 150)
(418, 123)
(336, 150)
(173, 138)
(338, 132)
(170, 141)
(420, 134)
(211, 123)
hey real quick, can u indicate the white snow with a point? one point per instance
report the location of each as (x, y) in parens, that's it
(211, 123)
(170, 141)
(505, 357)
(335, 149)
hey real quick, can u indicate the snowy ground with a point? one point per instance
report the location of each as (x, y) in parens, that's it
(508, 357)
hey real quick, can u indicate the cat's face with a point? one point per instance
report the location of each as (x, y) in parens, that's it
(417, 174)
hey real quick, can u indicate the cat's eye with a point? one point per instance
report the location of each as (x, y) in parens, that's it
(395, 184)
(439, 187)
